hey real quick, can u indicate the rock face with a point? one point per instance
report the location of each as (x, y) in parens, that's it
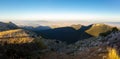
(96, 29)
(7, 26)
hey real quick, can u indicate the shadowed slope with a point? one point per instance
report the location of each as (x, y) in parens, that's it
(67, 34)
(7, 26)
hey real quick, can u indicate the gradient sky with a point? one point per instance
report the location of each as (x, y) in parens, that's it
(56, 10)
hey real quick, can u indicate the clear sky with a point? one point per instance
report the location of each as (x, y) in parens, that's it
(56, 10)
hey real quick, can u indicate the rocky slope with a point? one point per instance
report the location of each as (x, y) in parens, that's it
(92, 48)
(113, 40)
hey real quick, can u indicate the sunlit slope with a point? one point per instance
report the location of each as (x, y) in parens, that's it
(96, 29)
(76, 27)
(16, 36)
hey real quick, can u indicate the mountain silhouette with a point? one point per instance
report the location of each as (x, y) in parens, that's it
(67, 34)
(7, 26)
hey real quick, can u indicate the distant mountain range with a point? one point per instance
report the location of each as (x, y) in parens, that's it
(70, 34)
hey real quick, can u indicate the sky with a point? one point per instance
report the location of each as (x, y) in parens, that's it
(61, 10)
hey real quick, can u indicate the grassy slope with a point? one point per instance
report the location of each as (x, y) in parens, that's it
(96, 29)
(15, 36)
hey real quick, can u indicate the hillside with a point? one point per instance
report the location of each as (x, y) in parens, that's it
(19, 43)
(16, 36)
(96, 29)
(92, 48)
(96, 48)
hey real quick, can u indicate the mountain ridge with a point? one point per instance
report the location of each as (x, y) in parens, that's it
(7, 26)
